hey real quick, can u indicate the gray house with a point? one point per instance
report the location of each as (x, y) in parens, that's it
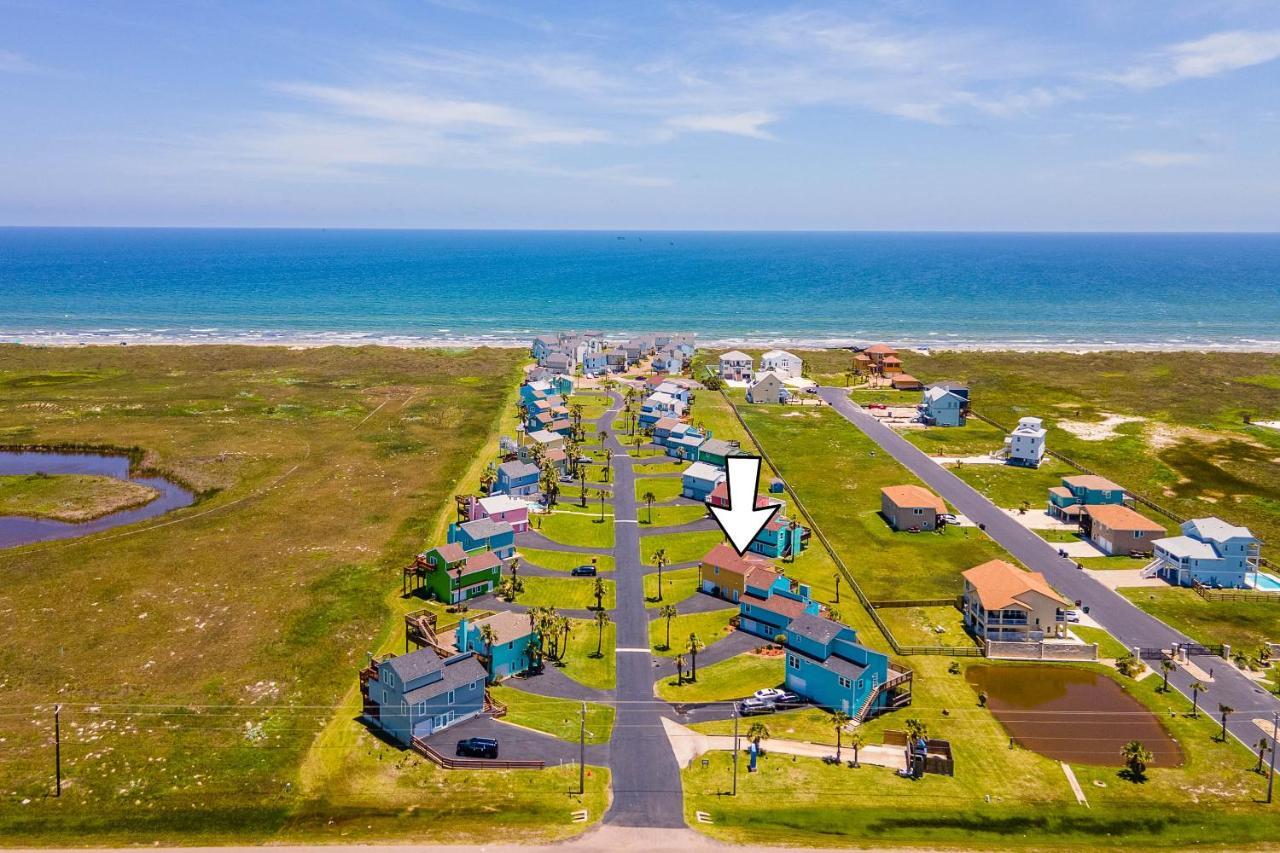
(418, 694)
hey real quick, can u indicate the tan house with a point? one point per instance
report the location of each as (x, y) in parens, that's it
(1118, 530)
(884, 359)
(1003, 602)
(767, 388)
(724, 574)
(906, 382)
(911, 507)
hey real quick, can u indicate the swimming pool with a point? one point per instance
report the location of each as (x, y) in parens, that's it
(1266, 582)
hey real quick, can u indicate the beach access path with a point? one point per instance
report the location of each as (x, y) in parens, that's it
(1127, 623)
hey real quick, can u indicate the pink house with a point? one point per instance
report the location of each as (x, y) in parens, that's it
(502, 508)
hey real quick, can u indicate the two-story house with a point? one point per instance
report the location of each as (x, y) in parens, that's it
(781, 363)
(1118, 530)
(514, 646)
(418, 694)
(450, 575)
(737, 366)
(911, 507)
(485, 533)
(828, 666)
(724, 574)
(1067, 501)
(945, 404)
(1025, 445)
(767, 388)
(1210, 552)
(1003, 602)
(699, 479)
(501, 508)
(716, 451)
(517, 478)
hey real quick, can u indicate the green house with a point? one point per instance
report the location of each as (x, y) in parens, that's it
(716, 450)
(452, 575)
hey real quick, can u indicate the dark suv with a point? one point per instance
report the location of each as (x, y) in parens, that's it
(478, 747)
(584, 572)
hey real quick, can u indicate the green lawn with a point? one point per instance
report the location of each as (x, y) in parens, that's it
(677, 585)
(1108, 646)
(730, 679)
(917, 626)
(1010, 485)
(711, 411)
(1244, 625)
(813, 725)
(580, 661)
(564, 561)
(572, 526)
(559, 717)
(838, 473)
(975, 438)
(663, 488)
(680, 547)
(563, 593)
(710, 626)
(669, 516)
(70, 497)
(593, 405)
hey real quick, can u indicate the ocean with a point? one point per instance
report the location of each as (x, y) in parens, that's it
(939, 290)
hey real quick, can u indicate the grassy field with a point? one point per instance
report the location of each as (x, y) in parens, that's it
(578, 527)
(680, 547)
(669, 516)
(1108, 646)
(709, 626)
(235, 625)
(677, 585)
(813, 725)
(559, 717)
(730, 679)
(1010, 486)
(564, 593)
(838, 473)
(918, 626)
(1243, 625)
(70, 497)
(663, 489)
(999, 798)
(580, 661)
(563, 561)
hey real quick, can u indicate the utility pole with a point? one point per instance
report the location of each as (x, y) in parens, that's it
(58, 749)
(1275, 729)
(582, 749)
(735, 750)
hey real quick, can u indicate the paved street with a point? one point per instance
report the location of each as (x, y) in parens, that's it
(1131, 626)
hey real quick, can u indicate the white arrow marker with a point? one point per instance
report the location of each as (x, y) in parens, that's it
(742, 522)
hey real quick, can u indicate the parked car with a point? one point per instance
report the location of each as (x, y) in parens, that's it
(949, 518)
(876, 406)
(583, 571)
(753, 706)
(1072, 615)
(478, 747)
(585, 460)
(779, 697)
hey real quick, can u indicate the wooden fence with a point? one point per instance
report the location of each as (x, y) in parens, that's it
(428, 752)
(1236, 594)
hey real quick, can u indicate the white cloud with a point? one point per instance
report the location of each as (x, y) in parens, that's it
(1218, 53)
(1162, 159)
(16, 63)
(749, 124)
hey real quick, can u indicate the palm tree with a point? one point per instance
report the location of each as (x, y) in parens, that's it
(917, 729)
(1136, 757)
(757, 732)
(582, 484)
(693, 646)
(602, 619)
(515, 567)
(598, 591)
(488, 636)
(668, 612)
(857, 740)
(1168, 667)
(565, 627)
(1196, 689)
(602, 493)
(660, 559)
(1261, 746)
(649, 498)
(488, 477)
(1223, 712)
(679, 670)
(603, 436)
(840, 719)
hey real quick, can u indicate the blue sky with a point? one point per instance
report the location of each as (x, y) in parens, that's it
(1086, 115)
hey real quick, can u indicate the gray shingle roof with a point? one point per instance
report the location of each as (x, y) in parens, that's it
(720, 447)
(457, 672)
(815, 628)
(838, 665)
(515, 469)
(415, 665)
(483, 528)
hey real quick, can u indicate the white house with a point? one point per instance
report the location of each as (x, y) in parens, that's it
(1209, 551)
(738, 366)
(782, 363)
(1025, 445)
(767, 388)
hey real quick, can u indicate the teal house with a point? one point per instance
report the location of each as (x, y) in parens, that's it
(781, 537)
(512, 649)
(1066, 501)
(828, 666)
(485, 534)
(715, 451)
(768, 611)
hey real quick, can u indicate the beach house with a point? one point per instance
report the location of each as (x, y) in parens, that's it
(944, 405)
(737, 366)
(484, 533)
(884, 359)
(683, 441)
(911, 507)
(658, 405)
(504, 508)
(517, 478)
(543, 346)
(595, 362)
(767, 613)
(513, 649)
(418, 694)
(1067, 501)
(699, 479)
(450, 574)
(1210, 552)
(724, 574)
(1118, 530)
(905, 382)
(1025, 445)
(668, 361)
(828, 666)
(782, 363)
(780, 537)
(1003, 602)
(767, 388)
(716, 451)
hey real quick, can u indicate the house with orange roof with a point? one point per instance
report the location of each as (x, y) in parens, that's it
(1003, 602)
(1118, 530)
(726, 575)
(884, 359)
(906, 382)
(911, 507)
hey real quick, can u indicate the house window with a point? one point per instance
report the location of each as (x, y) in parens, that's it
(860, 682)
(917, 511)
(844, 682)
(420, 709)
(793, 662)
(450, 697)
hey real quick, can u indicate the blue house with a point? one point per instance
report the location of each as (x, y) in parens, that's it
(514, 649)
(699, 479)
(768, 612)
(945, 404)
(543, 346)
(415, 695)
(781, 537)
(485, 534)
(595, 362)
(1066, 501)
(517, 479)
(827, 665)
(1210, 552)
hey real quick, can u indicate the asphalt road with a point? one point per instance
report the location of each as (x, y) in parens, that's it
(646, 778)
(1131, 626)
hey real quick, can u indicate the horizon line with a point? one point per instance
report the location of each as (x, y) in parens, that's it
(643, 230)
